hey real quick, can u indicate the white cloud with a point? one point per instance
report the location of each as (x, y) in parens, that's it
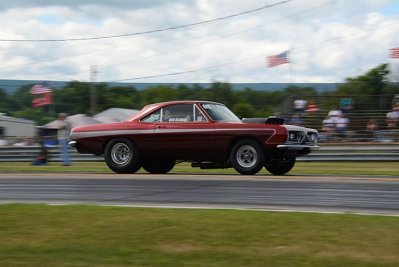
(332, 40)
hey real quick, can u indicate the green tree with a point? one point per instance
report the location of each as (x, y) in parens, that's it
(244, 110)
(368, 89)
(35, 114)
(118, 97)
(156, 94)
(21, 98)
(4, 102)
(74, 98)
(223, 93)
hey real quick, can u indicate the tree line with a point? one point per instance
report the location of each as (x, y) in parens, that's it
(74, 98)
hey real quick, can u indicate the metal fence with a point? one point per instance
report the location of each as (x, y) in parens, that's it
(327, 152)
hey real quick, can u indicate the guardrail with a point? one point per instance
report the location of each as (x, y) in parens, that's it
(327, 152)
(29, 153)
(355, 152)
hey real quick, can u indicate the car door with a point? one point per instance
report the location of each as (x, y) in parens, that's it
(183, 132)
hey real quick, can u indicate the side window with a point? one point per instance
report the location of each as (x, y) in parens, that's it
(153, 117)
(198, 116)
(178, 113)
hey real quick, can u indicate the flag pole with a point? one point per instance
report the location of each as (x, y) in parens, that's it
(394, 55)
(93, 93)
(289, 66)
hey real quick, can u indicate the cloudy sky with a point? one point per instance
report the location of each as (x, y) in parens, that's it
(328, 40)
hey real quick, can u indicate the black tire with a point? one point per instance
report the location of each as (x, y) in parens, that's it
(247, 157)
(280, 164)
(121, 156)
(158, 167)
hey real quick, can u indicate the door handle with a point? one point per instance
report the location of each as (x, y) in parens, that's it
(160, 126)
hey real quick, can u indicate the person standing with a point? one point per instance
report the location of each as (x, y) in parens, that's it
(63, 133)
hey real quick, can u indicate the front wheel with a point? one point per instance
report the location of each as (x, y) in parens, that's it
(158, 167)
(122, 156)
(247, 157)
(280, 165)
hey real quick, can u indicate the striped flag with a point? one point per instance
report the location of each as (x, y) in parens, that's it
(42, 95)
(42, 100)
(40, 89)
(276, 60)
(394, 52)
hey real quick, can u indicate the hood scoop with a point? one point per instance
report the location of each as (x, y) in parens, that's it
(269, 120)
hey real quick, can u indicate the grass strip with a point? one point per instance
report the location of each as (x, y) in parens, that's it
(301, 168)
(40, 235)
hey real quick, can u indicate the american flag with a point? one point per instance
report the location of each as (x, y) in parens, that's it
(276, 60)
(394, 52)
(40, 89)
(42, 100)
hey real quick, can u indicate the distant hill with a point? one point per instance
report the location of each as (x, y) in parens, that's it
(11, 85)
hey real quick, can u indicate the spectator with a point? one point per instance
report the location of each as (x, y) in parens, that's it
(371, 129)
(392, 117)
(335, 113)
(312, 107)
(328, 128)
(295, 120)
(372, 125)
(63, 132)
(3, 142)
(299, 106)
(21, 141)
(346, 104)
(395, 100)
(341, 125)
(42, 157)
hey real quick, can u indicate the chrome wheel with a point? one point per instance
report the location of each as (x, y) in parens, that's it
(122, 156)
(247, 156)
(120, 153)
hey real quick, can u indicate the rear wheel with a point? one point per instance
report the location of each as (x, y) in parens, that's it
(247, 157)
(280, 164)
(121, 156)
(158, 167)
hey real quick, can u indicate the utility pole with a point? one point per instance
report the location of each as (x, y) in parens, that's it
(93, 93)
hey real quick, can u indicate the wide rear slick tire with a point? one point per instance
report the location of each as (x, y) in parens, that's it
(247, 157)
(122, 156)
(158, 167)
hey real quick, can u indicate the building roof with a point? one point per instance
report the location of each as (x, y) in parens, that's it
(106, 116)
(115, 114)
(4, 117)
(75, 121)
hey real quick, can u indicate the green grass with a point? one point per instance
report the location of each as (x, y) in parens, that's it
(301, 168)
(39, 235)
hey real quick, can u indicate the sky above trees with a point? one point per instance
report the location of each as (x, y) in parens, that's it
(227, 41)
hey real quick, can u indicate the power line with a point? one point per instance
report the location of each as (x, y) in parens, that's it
(251, 58)
(206, 41)
(172, 51)
(217, 38)
(188, 71)
(150, 31)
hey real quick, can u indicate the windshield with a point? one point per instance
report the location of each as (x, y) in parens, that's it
(220, 113)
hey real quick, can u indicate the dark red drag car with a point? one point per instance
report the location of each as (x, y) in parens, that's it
(207, 134)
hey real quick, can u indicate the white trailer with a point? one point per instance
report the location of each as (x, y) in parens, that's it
(15, 127)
